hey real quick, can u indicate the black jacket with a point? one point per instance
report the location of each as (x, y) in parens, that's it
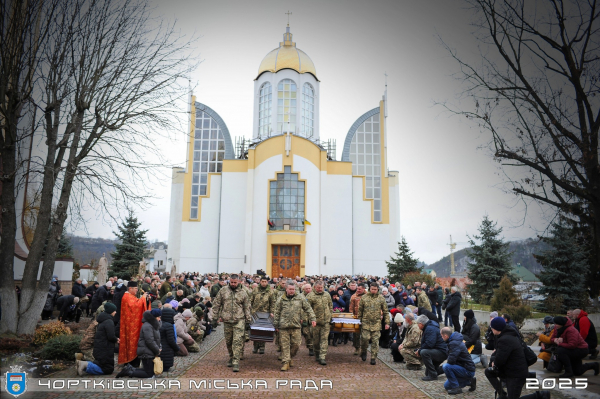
(432, 295)
(100, 296)
(472, 336)
(509, 356)
(453, 306)
(64, 303)
(440, 295)
(78, 290)
(104, 343)
(117, 297)
(346, 297)
(168, 338)
(432, 339)
(458, 353)
(90, 291)
(430, 315)
(149, 341)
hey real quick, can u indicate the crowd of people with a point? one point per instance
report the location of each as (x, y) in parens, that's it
(162, 316)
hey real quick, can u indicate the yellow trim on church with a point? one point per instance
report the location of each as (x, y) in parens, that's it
(187, 184)
(385, 180)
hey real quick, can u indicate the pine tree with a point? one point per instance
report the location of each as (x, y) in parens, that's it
(565, 266)
(491, 261)
(129, 253)
(403, 262)
(505, 295)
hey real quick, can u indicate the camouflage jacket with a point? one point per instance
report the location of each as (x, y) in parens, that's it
(354, 301)
(412, 339)
(195, 327)
(322, 305)
(424, 301)
(87, 342)
(288, 312)
(164, 288)
(232, 305)
(370, 309)
(278, 292)
(262, 299)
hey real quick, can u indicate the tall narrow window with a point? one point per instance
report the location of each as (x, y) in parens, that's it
(365, 154)
(264, 110)
(308, 110)
(209, 151)
(286, 201)
(286, 106)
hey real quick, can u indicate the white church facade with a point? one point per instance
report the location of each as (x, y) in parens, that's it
(283, 203)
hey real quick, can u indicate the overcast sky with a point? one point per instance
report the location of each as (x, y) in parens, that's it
(447, 184)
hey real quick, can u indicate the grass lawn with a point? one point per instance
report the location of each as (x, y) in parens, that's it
(476, 306)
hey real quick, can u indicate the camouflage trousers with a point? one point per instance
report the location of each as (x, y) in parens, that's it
(307, 334)
(365, 336)
(356, 339)
(88, 355)
(234, 338)
(290, 339)
(320, 336)
(409, 356)
(192, 347)
(197, 335)
(259, 344)
(247, 332)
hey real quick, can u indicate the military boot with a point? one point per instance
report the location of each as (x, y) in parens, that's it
(363, 356)
(311, 352)
(322, 362)
(230, 362)
(279, 357)
(285, 366)
(291, 363)
(356, 352)
(236, 367)
(373, 361)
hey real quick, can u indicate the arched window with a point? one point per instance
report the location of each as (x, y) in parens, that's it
(264, 110)
(365, 154)
(308, 110)
(286, 106)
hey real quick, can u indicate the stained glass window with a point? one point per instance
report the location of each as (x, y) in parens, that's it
(286, 106)
(286, 201)
(264, 110)
(365, 154)
(308, 110)
(209, 151)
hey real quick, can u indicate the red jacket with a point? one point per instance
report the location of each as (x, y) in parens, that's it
(571, 337)
(584, 324)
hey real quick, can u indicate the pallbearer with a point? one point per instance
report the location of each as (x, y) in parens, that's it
(322, 306)
(371, 309)
(262, 301)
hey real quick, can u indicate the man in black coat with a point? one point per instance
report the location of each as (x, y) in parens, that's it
(348, 294)
(104, 345)
(434, 349)
(453, 307)
(459, 368)
(100, 296)
(69, 308)
(78, 289)
(439, 301)
(117, 297)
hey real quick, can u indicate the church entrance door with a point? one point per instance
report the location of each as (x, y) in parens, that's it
(286, 260)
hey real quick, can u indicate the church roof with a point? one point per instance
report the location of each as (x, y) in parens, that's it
(287, 56)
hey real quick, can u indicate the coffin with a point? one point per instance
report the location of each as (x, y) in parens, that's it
(345, 322)
(261, 327)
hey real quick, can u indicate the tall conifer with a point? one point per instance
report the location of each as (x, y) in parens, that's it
(129, 253)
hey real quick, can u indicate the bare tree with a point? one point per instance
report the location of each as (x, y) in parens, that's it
(111, 84)
(535, 91)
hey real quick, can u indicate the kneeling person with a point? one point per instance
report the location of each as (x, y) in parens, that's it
(460, 368)
(434, 349)
(411, 343)
(104, 345)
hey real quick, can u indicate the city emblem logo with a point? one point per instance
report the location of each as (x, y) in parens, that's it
(16, 381)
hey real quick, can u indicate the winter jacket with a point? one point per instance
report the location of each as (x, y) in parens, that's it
(586, 328)
(397, 298)
(423, 301)
(64, 303)
(432, 295)
(572, 339)
(214, 290)
(346, 298)
(440, 295)
(472, 336)
(322, 306)
(100, 296)
(509, 356)
(181, 328)
(90, 291)
(453, 306)
(371, 308)
(262, 299)
(458, 353)
(429, 314)
(413, 337)
(389, 301)
(51, 298)
(117, 298)
(339, 304)
(168, 339)
(288, 312)
(104, 343)
(195, 327)
(354, 302)
(149, 341)
(408, 301)
(78, 290)
(87, 341)
(164, 288)
(432, 339)
(545, 339)
(204, 292)
(232, 305)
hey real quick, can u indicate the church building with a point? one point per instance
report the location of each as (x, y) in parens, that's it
(280, 201)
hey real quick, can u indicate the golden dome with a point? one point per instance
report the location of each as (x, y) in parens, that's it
(287, 56)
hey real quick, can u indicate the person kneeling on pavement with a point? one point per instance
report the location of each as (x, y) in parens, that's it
(434, 349)
(472, 336)
(398, 338)
(460, 368)
(168, 338)
(572, 349)
(195, 325)
(184, 340)
(104, 345)
(148, 346)
(411, 343)
(508, 362)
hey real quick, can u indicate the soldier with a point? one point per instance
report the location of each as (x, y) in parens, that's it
(353, 308)
(232, 306)
(306, 329)
(278, 292)
(371, 308)
(247, 327)
(322, 305)
(262, 301)
(423, 299)
(412, 343)
(288, 313)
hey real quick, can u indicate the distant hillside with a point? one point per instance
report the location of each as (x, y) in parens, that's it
(87, 250)
(522, 253)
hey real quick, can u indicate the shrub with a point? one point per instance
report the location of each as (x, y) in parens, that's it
(48, 331)
(505, 295)
(62, 347)
(518, 313)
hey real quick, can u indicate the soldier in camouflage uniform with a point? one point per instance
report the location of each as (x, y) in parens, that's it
(306, 329)
(411, 343)
(278, 292)
(195, 325)
(86, 346)
(287, 321)
(371, 308)
(262, 300)
(322, 305)
(247, 327)
(232, 306)
(353, 308)
(423, 299)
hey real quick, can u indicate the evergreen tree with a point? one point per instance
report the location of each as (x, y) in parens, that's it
(65, 248)
(491, 261)
(403, 263)
(505, 295)
(129, 253)
(565, 268)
